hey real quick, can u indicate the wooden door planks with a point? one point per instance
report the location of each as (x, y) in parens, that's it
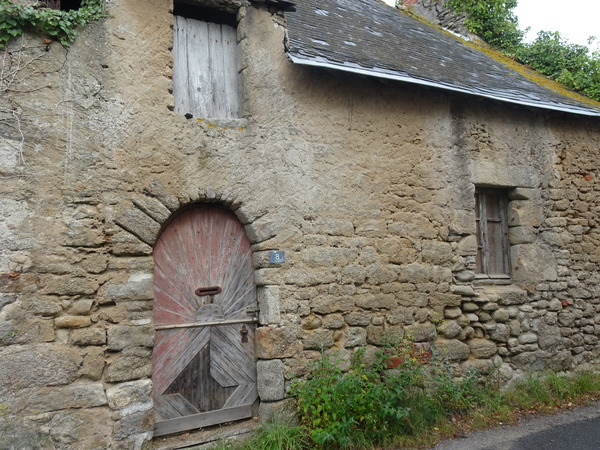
(201, 420)
(173, 406)
(205, 368)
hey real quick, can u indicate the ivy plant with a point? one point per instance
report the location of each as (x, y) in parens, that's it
(59, 25)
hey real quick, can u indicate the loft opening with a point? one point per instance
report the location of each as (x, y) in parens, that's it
(205, 76)
(193, 10)
(63, 5)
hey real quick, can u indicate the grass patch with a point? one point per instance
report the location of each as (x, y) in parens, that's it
(273, 435)
(277, 435)
(536, 394)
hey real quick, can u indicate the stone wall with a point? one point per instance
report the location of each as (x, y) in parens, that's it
(366, 185)
(436, 12)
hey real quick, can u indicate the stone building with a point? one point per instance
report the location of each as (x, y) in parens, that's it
(320, 175)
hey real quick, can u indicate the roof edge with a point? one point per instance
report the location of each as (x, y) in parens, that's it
(298, 58)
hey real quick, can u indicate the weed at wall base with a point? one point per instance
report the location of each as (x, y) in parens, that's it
(372, 404)
(415, 404)
(13, 436)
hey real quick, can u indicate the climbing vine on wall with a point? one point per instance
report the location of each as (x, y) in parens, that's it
(58, 24)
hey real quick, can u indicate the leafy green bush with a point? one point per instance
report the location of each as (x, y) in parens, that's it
(416, 401)
(60, 25)
(400, 394)
(338, 408)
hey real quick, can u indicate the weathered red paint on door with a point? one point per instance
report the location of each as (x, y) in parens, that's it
(204, 371)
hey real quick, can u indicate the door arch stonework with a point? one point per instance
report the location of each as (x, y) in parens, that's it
(143, 217)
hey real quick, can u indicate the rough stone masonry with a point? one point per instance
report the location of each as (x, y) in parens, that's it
(367, 185)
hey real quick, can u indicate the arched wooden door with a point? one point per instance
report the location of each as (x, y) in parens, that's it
(204, 369)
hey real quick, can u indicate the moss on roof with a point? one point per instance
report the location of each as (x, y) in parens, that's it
(367, 37)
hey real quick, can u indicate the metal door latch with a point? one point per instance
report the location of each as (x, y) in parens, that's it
(244, 333)
(253, 311)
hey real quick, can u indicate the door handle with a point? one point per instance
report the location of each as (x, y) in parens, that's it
(208, 290)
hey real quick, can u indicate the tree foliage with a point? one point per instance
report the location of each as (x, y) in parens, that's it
(570, 64)
(550, 54)
(492, 20)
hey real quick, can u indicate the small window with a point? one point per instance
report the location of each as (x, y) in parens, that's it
(493, 250)
(205, 78)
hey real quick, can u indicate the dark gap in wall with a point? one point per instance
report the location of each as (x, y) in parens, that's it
(63, 5)
(194, 11)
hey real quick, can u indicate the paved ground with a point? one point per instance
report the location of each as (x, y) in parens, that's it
(577, 429)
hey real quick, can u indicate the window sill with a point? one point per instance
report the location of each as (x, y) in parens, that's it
(492, 279)
(502, 294)
(224, 123)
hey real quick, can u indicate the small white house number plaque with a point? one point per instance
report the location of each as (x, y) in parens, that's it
(277, 257)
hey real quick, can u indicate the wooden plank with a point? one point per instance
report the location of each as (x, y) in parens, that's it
(230, 98)
(175, 300)
(180, 356)
(196, 385)
(232, 363)
(199, 68)
(225, 359)
(245, 394)
(167, 310)
(172, 406)
(505, 242)
(493, 249)
(202, 420)
(239, 280)
(180, 66)
(172, 305)
(179, 402)
(163, 410)
(167, 346)
(232, 338)
(215, 50)
(205, 77)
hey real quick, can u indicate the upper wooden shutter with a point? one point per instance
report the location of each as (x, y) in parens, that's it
(205, 79)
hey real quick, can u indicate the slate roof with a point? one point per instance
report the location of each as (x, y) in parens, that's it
(371, 38)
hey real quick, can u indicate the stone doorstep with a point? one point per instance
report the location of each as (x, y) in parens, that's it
(206, 437)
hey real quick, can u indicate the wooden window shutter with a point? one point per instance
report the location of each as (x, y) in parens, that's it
(493, 257)
(480, 238)
(205, 78)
